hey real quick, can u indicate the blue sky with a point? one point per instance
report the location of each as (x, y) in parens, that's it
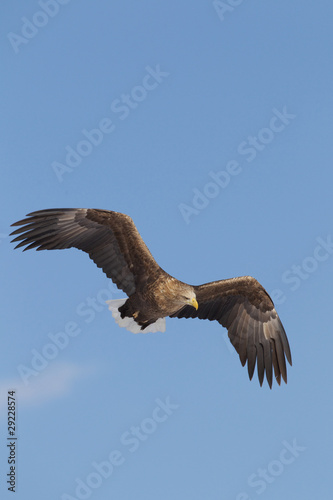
(210, 124)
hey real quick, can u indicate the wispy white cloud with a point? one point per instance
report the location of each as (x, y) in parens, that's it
(56, 381)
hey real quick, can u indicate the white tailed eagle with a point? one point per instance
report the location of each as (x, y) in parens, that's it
(113, 242)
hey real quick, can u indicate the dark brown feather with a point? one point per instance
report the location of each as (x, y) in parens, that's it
(244, 307)
(110, 238)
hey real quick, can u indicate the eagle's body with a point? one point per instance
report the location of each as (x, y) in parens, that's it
(157, 299)
(112, 241)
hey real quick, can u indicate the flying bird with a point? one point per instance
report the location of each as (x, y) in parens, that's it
(113, 242)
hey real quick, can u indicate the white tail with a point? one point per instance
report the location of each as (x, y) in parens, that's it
(129, 323)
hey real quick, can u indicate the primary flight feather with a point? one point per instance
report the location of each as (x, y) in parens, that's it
(112, 241)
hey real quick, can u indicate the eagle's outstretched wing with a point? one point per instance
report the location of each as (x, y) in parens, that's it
(244, 307)
(110, 238)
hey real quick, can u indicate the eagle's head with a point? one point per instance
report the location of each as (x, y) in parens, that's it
(190, 299)
(174, 295)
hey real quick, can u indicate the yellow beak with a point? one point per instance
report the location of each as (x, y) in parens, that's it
(194, 303)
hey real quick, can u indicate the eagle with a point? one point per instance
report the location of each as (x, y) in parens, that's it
(111, 239)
